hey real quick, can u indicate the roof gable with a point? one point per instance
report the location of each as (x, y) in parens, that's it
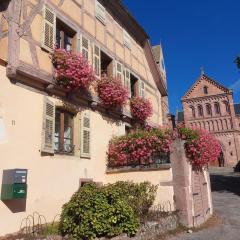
(213, 88)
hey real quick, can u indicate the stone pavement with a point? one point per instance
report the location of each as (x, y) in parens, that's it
(226, 204)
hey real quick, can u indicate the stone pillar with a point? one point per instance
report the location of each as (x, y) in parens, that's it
(182, 175)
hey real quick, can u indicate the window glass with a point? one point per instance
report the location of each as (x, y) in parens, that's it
(63, 132)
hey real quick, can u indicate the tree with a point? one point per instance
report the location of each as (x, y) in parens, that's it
(237, 61)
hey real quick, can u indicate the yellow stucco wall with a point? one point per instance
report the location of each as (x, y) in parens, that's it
(53, 179)
(164, 193)
(109, 37)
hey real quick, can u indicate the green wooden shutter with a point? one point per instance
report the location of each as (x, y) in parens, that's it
(48, 128)
(49, 28)
(85, 134)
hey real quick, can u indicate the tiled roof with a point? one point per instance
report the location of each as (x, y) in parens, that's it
(237, 108)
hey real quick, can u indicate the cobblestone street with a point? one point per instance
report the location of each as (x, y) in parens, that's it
(226, 203)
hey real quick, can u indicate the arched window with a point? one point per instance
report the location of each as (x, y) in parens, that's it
(205, 90)
(227, 107)
(200, 111)
(193, 111)
(209, 109)
(217, 108)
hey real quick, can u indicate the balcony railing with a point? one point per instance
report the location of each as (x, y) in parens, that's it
(158, 160)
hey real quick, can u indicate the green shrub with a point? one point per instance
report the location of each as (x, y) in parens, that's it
(140, 196)
(97, 211)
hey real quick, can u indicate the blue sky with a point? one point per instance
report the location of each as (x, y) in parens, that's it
(194, 33)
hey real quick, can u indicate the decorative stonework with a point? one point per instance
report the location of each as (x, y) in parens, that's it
(223, 124)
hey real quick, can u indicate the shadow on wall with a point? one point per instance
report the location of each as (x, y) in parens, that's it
(15, 206)
(222, 183)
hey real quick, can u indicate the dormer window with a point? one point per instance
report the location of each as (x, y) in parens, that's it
(100, 13)
(205, 90)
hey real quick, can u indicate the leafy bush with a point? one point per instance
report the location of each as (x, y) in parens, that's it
(140, 196)
(138, 147)
(112, 92)
(97, 211)
(72, 71)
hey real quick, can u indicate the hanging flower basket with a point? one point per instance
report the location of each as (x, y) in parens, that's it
(71, 71)
(201, 147)
(141, 109)
(111, 92)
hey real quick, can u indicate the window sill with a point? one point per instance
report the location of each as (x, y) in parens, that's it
(153, 167)
(64, 153)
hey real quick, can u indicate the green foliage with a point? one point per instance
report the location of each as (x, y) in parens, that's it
(237, 61)
(140, 196)
(188, 134)
(51, 229)
(100, 211)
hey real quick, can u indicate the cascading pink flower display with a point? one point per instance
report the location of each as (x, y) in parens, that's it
(137, 148)
(201, 147)
(72, 70)
(141, 109)
(111, 91)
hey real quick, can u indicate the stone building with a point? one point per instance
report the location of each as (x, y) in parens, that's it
(209, 105)
(61, 139)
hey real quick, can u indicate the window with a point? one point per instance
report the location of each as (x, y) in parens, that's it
(200, 111)
(205, 90)
(83, 181)
(63, 132)
(229, 143)
(209, 109)
(119, 71)
(100, 12)
(107, 64)
(227, 108)
(85, 46)
(128, 129)
(65, 36)
(134, 85)
(193, 111)
(217, 108)
(126, 39)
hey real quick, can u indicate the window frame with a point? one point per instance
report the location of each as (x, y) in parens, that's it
(205, 90)
(209, 109)
(63, 112)
(200, 110)
(217, 109)
(193, 111)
